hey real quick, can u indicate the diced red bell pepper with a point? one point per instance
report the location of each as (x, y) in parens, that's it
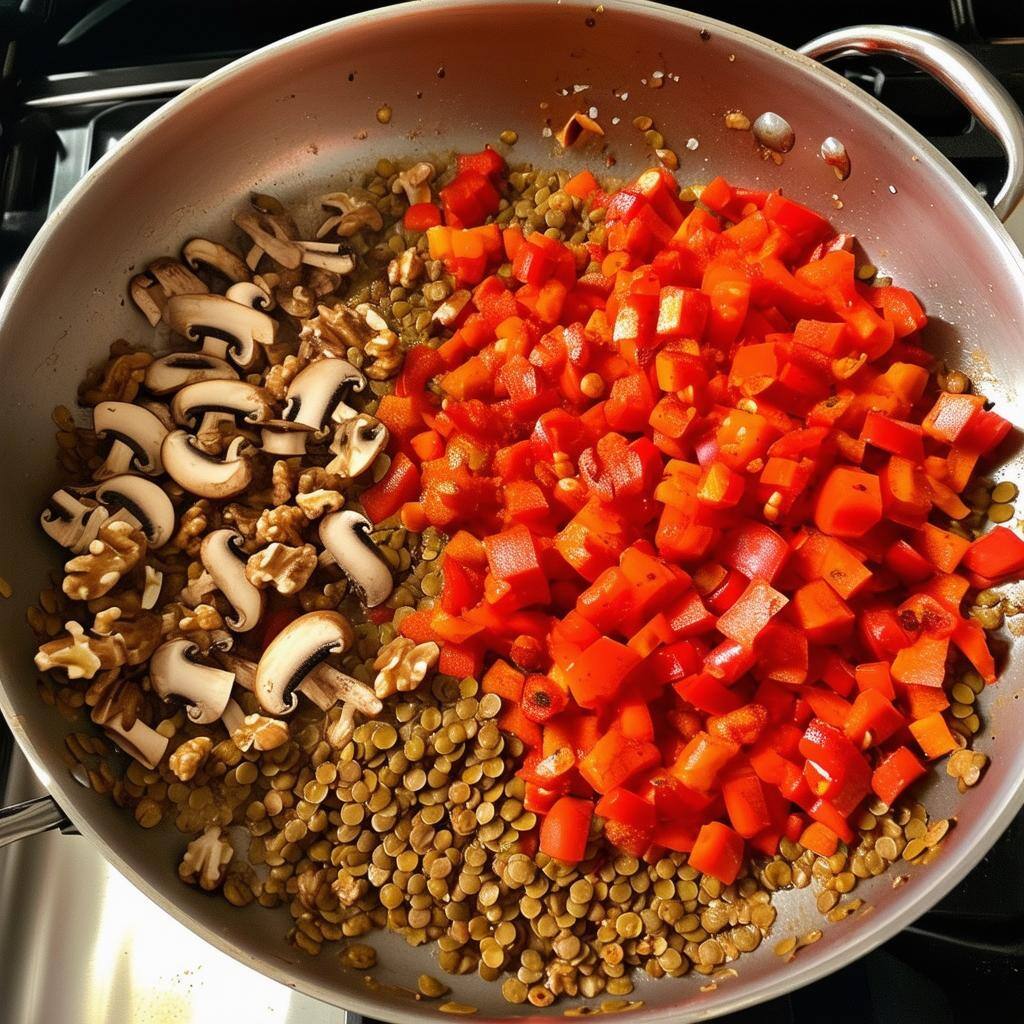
(718, 852)
(997, 555)
(400, 484)
(626, 808)
(614, 760)
(894, 773)
(595, 677)
(565, 829)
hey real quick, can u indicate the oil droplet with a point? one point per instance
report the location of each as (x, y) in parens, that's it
(892, 189)
(833, 152)
(774, 132)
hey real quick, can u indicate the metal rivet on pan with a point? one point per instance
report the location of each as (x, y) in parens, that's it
(774, 132)
(833, 152)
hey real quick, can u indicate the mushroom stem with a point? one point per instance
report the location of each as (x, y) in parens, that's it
(325, 686)
(141, 742)
(233, 716)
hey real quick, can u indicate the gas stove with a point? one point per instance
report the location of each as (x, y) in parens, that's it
(80, 944)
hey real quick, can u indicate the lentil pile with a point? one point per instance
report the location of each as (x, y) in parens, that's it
(389, 797)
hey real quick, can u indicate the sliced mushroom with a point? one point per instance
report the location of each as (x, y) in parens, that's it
(145, 745)
(302, 645)
(151, 590)
(357, 443)
(250, 293)
(179, 369)
(352, 217)
(70, 522)
(201, 407)
(144, 500)
(224, 561)
(415, 183)
(332, 256)
(284, 438)
(244, 670)
(325, 686)
(163, 278)
(273, 242)
(213, 254)
(319, 390)
(204, 474)
(346, 535)
(174, 669)
(225, 327)
(233, 716)
(137, 436)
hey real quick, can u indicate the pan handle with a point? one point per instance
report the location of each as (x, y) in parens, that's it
(973, 84)
(19, 821)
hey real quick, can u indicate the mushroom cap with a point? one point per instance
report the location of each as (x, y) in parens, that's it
(134, 426)
(173, 669)
(243, 400)
(179, 369)
(294, 653)
(346, 535)
(249, 293)
(318, 389)
(283, 437)
(222, 558)
(204, 474)
(333, 256)
(213, 254)
(357, 443)
(70, 522)
(145, 500)
(215, 316)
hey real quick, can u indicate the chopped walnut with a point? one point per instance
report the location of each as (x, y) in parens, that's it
(384, 350)
(283, 524)
(203, 617)
(402, 665)
(283, 479)
(200, 583)
(79, 655)
(280, 376)
(242, 518)
(121, 380)
(405, 270)
(448, 312)
(335, 329)
(206, 859)
(316, 478)
(285, 568)
(348, 888)
(117, 549)
(140, 633)
(261, 733)
(966, 767)
(315, 504)
(190, 757)
(191, 526)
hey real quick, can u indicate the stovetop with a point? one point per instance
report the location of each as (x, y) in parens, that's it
(75, 75)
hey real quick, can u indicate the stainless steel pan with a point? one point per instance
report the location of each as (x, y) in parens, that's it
(301, 114)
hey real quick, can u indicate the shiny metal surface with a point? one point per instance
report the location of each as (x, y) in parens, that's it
(299, 117)
(29, 818)
(969, 80)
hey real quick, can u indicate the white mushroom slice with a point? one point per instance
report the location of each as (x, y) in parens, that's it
(244, 670)
(224, 327)
(332, 256)
(233, 716)
(179, 369)
(250, 293)
(204, 474)
(144, 744)
(319, 389)
(72, 523)
(273, 242)
(302, 645)
(223, 560)
(151, 590)
(201, 250)
(137, 436)
(284, 438)
(174, 670)
(415, 183)
(325, 686)
(144, 500)
(160, 411)
(357, 443)
(163, 278)
(200, 407)
(346, 535)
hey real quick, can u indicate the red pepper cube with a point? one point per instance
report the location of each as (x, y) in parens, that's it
(819, 839)
(848, 503)
(682, 313)
(875, 675)
(832, 339)
(701, 760)
(755, 550)
(872, 720)
(565, 829)
(595, 677)
(513, 561)
(821, 613)
(933, 735)
(687, 615)
(751, 613)
(997, 555)
(626, 808)
(745, 801)
(906, 497)
(894, 436)
(542, 698)
(720, 487)
(707, 694)
(894, 773)
(504, 680)
(718, 852)
(923, 663)
(400, 484)
(614, 760)
(818, 557)
(950, 415)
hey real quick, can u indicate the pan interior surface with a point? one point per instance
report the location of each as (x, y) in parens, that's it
(301, 118)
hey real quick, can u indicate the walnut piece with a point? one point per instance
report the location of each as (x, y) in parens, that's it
(405, 270)
(281, 375)
(348, 888)
(402, 665)
(284, 476)
(315, 504)
(261, 733)
(206, 859)
(448, 312)
(140, 633)
(316, 478)
(117, 549)
(203, 617)
(79, 655)
(283, 524)
(190, 757)
(383, 348)
(287, 569)
(242, 518)
(192, 525)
